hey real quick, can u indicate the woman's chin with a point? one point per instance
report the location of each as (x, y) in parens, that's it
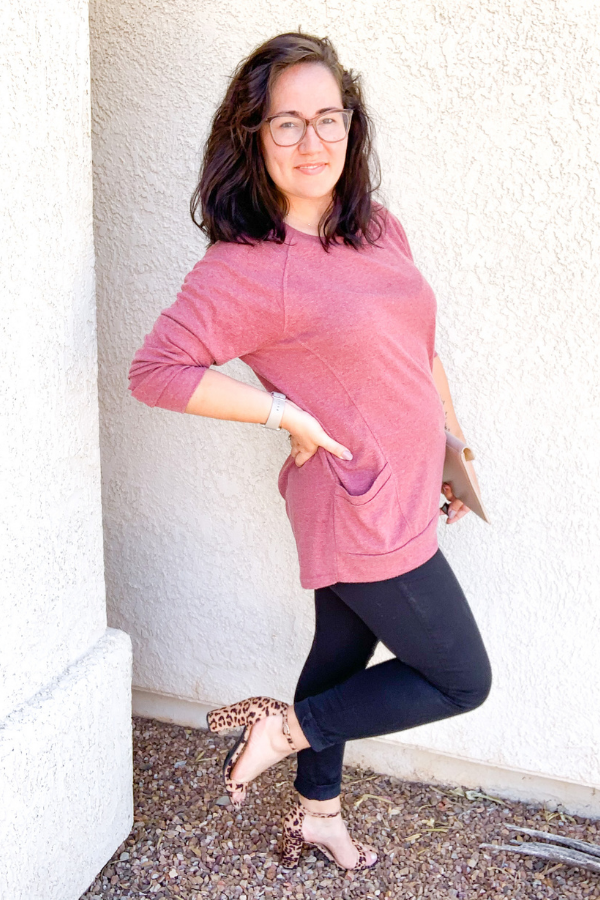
(314, 191)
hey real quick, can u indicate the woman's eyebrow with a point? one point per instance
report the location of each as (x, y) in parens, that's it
(294, 112)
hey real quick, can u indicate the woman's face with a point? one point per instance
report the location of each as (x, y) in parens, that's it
(310, 169)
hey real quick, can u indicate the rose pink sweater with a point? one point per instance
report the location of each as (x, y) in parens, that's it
(349, 336)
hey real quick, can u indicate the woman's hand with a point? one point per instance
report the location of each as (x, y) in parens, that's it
(456, 508)
(307, 436)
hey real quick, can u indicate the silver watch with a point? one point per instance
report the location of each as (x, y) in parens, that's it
(276, 414)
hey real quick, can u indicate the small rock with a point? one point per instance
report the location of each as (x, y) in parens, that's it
(271, 873)
(222, 801)
(180, 764)
(124, 855)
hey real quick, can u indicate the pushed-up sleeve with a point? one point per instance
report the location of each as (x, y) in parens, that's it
(230, 305)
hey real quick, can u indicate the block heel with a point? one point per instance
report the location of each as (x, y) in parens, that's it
(292, 841)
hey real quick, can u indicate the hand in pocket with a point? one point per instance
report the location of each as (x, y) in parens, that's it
(307, 435)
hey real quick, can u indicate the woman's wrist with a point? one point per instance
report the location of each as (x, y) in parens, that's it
(288, 417)
(454, 428)
(276, 409)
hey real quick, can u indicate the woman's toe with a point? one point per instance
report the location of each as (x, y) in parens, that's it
(371, 854)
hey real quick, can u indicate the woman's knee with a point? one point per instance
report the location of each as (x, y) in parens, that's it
(478, 690)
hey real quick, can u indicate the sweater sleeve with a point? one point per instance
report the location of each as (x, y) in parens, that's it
(230, 305)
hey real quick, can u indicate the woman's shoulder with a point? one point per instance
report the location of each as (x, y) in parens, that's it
(393, 230)
(242, 260)
(230, 265)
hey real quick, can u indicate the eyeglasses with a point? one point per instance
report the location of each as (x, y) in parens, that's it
(331, 126)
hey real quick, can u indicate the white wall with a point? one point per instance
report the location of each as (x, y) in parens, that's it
(65, 734)
(489, 155)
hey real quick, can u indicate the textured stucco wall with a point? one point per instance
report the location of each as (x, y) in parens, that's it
(51, 520)
(65, 777)
(486, 136)
(65, 733)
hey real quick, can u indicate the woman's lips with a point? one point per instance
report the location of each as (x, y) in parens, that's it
(311, 169)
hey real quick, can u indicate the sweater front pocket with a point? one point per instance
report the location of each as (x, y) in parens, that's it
(370, 523)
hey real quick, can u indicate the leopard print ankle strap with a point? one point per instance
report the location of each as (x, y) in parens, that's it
(321, 815)
(287, 732)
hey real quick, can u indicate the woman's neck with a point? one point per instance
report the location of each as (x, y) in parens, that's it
(305, 215)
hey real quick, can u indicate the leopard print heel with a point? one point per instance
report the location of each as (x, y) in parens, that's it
(245, 713)
(293, 841)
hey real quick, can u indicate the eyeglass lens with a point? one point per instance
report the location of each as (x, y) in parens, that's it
(287, 130)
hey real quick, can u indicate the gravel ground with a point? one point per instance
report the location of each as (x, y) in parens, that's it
(188, 843)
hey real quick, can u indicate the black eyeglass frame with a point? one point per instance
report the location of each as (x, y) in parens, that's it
(307, 122)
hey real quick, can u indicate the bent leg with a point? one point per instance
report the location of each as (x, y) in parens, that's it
(343, 645)
(441, 667)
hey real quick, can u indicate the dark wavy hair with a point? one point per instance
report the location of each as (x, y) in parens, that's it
(236, 199)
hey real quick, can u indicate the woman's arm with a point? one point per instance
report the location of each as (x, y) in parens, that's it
(220, 397)
(456, 508)
(443, 389)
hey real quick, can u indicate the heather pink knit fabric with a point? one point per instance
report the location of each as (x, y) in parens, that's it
(349, 336)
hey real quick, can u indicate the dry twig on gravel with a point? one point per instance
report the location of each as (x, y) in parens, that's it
(578, 853)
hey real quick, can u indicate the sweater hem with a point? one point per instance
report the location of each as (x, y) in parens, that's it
(359, 567)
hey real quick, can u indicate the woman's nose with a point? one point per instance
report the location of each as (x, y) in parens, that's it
(311, 140)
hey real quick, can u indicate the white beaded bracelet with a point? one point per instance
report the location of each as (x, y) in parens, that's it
(276, 413)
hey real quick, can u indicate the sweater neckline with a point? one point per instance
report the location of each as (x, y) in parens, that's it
(301, 235)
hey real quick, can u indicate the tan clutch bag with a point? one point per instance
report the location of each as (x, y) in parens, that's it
(459, 472)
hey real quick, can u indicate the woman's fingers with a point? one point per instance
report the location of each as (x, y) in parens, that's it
(308, 435)
(304, 455)
(338, 450)
(456, 511)
(456, 508)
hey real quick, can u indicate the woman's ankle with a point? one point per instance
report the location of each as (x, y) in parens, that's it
(296, 732)
(321, 806)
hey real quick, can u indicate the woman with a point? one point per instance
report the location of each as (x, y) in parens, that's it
(313, 285)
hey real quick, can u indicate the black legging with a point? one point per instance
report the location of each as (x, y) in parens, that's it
(441, 667)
